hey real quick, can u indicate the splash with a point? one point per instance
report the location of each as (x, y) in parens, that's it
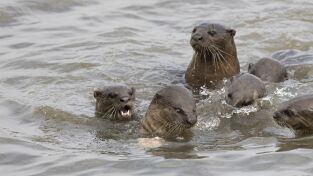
(283, 92)
(149, 143)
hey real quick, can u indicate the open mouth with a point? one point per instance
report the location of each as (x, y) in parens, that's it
(125, 112)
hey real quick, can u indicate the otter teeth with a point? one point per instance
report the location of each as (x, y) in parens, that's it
(126, 113)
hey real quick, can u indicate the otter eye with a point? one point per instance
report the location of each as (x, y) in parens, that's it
(112, 95)
(178, 110)
(194, 30)
(212, 33)
(130, 93)
(230, 96)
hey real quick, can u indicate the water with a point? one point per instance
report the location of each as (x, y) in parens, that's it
(54, 53)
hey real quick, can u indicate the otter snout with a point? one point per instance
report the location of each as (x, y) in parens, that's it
(277, 116)
(282, 119)
(124, 99)
(191, 120)
(197, 37)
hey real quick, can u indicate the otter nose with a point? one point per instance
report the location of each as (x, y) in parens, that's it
(276, 115)
(191, 120)
(124, 99)
(197, 37)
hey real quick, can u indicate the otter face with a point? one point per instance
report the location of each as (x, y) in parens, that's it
(171, 111)
(289, 118)
(175, 113)
(210, 37)
(115, 102)
(239, 99)
(296, 114)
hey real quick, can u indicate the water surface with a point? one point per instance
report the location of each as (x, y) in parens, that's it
(55, 53)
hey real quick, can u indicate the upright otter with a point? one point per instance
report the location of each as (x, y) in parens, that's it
(171, 112)
(115, 102)
(268, 70)
(296, 114)
(215, 55)
(244, 90)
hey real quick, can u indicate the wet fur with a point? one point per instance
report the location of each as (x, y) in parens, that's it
(244, 90)
(110, 100)
(215, 56)
(296, 114)
(269, 70)
(170, 113)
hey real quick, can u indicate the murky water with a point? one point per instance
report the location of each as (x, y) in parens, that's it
(54, 53)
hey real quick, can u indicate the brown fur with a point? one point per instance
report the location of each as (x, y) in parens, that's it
(269, 70)
(244, 90)
(296, 113)
(112, 101)
(215, 56)
(171, 112)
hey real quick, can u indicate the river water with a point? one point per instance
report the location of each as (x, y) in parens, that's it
(54, 53)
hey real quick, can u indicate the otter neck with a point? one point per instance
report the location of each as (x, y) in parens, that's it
(216, 63)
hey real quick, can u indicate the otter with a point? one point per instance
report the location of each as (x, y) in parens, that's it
(171, 112)
(115, 102)
(296, 114)
(244, 89)
(269, 70)
(215, 55)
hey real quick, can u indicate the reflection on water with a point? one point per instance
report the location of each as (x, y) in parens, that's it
(55, 53)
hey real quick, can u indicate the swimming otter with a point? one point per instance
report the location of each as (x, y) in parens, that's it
(115, 102)
(171, 112)
(269, 70)
(215, 55)
(244, 90)
(296, 114)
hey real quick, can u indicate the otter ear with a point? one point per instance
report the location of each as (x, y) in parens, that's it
(232, 32)
(97, 93)
(133, 90)
(158, 96)
(285, 76)
(250, 66)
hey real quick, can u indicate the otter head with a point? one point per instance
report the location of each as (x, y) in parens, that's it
(244, 90)
(215, 56)
(268, 69)
(211, 38)
(296, 114)
(171, 111)
(115, 102)
(288, 118)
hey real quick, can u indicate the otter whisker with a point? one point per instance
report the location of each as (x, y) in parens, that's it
(203, 54)
(112, 114)
(115, 113)
(107, 111)
(221, 63)
(219, 59)
(223, 58)
(224, 52)
(304, 121)
(172, 130)
(214, 58)
(108, 108)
